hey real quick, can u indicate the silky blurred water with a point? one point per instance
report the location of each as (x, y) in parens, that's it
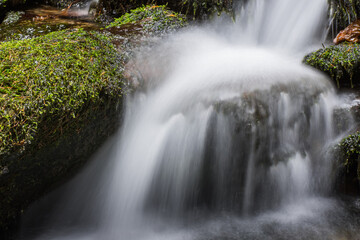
(230, 140)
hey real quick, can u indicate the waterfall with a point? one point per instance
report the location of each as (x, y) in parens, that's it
(231, 124)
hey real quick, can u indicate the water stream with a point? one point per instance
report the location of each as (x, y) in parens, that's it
(230, 140)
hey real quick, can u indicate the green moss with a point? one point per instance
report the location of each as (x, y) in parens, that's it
(196, 9)
(350, 149)
(205, 8)
(153, 19)
(51, 78)
(26, 28)
(340, 62)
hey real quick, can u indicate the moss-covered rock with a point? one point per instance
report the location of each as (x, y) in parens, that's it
(59, 100)
(340, 62)
(203, 9)
(51, 75)
(152, 19)
(349, 165)
(196, 9)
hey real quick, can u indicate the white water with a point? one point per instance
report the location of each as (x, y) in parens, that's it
(230, 139)
(82, 9)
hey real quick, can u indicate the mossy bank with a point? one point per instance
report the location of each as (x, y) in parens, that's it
(60, 97)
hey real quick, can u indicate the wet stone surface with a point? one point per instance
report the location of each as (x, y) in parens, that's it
(40, 21)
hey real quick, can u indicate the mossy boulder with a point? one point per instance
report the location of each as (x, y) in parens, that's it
(203, 9)
(348, 180)
(60, 97)
(152, 19)
(341, 62)
(196, 9)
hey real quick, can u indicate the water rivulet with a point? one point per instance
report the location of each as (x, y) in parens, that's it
(230, 140)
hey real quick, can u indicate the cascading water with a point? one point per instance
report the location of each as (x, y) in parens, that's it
(229, 142)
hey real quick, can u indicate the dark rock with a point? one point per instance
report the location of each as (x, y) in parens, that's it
(348, 165)
(52, 161)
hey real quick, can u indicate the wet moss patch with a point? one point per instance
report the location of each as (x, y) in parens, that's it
(351, 149)
(152, 19)
(195, 9)
(349, 160)
(341, 62)
(60, 98)
(203, 9)
(27, 30)
(52, 77)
